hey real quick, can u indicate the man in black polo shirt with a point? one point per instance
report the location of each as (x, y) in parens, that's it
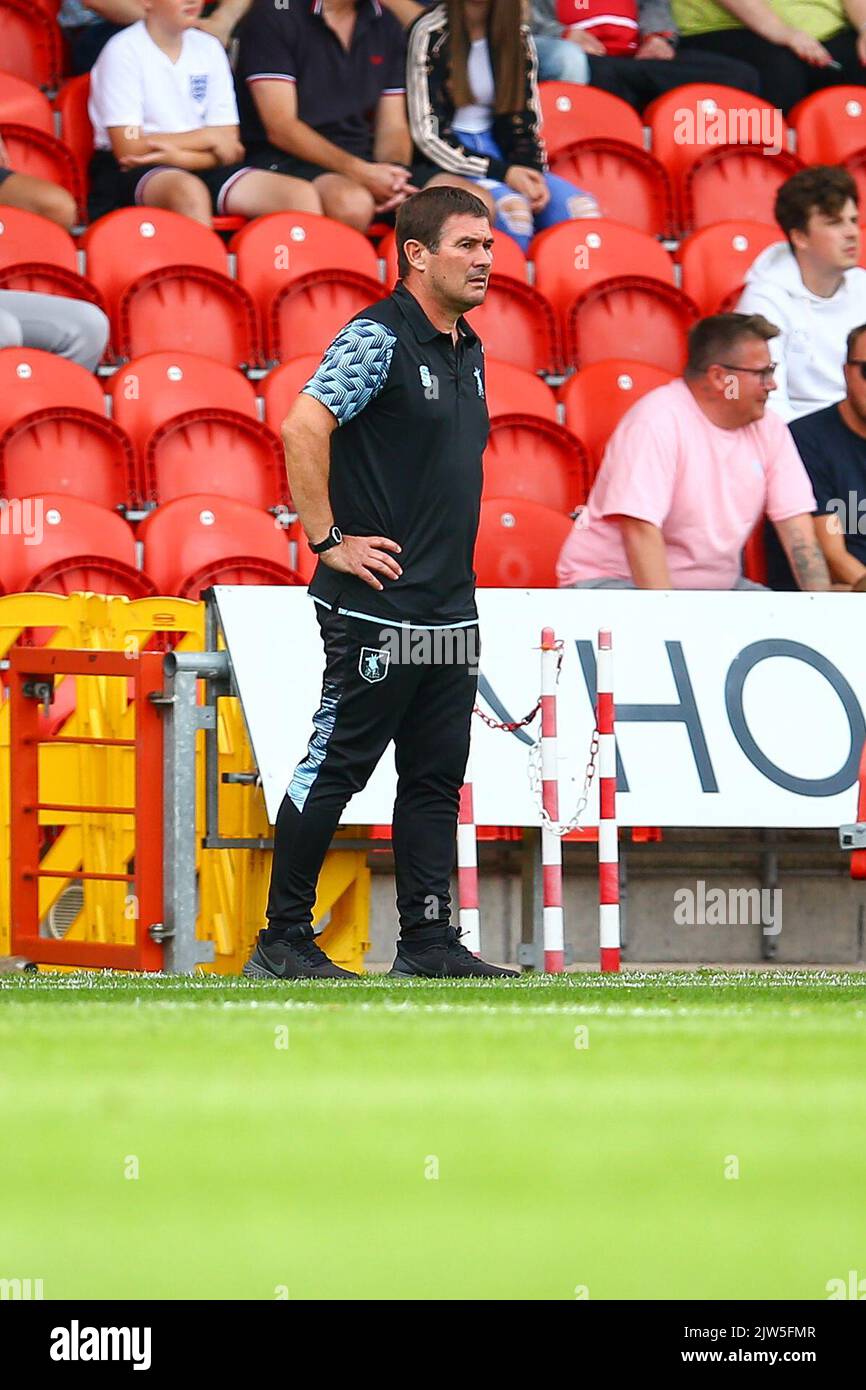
(321, 93)
(832, 445)
(383, 449)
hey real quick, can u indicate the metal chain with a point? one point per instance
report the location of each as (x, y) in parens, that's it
(534, 764)
(535, 781)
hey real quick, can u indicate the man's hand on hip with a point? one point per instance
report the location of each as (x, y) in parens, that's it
(365, 556)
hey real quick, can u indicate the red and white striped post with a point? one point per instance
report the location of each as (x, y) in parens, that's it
(551, 844)
(608, 846)
(467, 868)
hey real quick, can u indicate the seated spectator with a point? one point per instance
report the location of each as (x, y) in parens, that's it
(473, 113)
(630, 48)
(68, 327)
(811, 287)
(796, 47)
(35, 195)
(89, 24)
(832, 445)
(688, 473)
(322, 96)
(165, 125)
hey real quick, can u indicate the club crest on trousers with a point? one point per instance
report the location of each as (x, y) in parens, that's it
(373, 664)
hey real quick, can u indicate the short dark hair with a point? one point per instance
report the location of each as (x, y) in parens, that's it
(422, 217)
(714, 337)
(852, 339)
(822, 188)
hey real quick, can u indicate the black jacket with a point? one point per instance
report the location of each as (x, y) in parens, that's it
(431, 107)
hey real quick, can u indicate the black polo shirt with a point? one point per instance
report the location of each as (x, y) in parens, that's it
(406, 459)
(835, 459)
(337, 91)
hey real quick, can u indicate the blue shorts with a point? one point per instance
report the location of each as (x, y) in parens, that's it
(566, 201)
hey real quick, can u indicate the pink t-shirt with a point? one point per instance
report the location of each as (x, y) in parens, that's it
(704, 486)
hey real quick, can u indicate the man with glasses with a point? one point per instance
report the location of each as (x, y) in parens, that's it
(832, 445)
(811, 286)
(689, 471)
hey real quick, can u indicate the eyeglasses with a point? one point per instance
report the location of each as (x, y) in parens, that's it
(765, 374)
(857, 362)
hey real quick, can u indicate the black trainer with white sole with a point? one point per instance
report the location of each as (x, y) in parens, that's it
(298, 959)
(445, 958)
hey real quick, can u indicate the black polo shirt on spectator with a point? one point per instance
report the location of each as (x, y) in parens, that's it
(405, 460)
(835, 459)
(337, 90)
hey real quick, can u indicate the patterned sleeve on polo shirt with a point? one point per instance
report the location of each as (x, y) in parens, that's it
(354, 369)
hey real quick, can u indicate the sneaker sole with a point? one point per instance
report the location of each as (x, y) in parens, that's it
(253, 971)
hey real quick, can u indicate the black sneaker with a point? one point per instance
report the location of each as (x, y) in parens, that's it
(299, 959)
(445, 958)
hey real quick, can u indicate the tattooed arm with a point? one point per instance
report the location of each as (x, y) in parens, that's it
(805, 556)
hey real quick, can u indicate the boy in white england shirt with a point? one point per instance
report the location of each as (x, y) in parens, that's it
(165, 122)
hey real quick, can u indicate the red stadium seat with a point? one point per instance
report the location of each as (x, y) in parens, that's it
(596, 398)
(37, 255)
(33, 380)
(574, 113)
(328, 264)
(162, 385)
(308, 312)
(755, 556)
(629, 184)
(222, 451)
(536, 460)
(165, 285)
(739, 178)
(643, 319)
(715, 260)
(518, 544)
(517, 325)
(25, 237)
(511, 390)
(43, 156)
(698, 119)
(75, 128)
(282, 385)
(830, 125)
(197, 541)
(64, 449)
(29, 42)
(575, 257)
(81, 547)
(23, 104)
(508, 259)
(279, 248)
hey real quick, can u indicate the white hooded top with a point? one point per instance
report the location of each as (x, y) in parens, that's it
(810, 349)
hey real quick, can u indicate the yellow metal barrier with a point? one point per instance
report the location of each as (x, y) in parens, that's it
(233, 883)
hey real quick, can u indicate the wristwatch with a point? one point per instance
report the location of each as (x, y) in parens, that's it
(334, 537)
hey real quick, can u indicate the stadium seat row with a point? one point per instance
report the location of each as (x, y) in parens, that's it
(165, 283)
(198, 540)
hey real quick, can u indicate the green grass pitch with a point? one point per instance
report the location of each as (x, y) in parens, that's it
(542, 1138)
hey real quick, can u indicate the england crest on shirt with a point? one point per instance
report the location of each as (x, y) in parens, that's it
(198, 86)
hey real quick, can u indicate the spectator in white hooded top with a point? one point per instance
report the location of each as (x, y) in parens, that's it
(811, 287)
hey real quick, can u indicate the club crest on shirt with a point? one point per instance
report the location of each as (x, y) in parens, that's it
(478, 382)
(373, 664)
(198, 86)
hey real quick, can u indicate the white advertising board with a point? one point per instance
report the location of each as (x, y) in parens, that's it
(733, 709)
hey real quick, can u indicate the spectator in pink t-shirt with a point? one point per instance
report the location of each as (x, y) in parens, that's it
(690, 470)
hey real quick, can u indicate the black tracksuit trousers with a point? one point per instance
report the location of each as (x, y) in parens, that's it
(381, 683)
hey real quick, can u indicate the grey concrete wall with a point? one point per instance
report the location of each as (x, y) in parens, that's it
(822, 911)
